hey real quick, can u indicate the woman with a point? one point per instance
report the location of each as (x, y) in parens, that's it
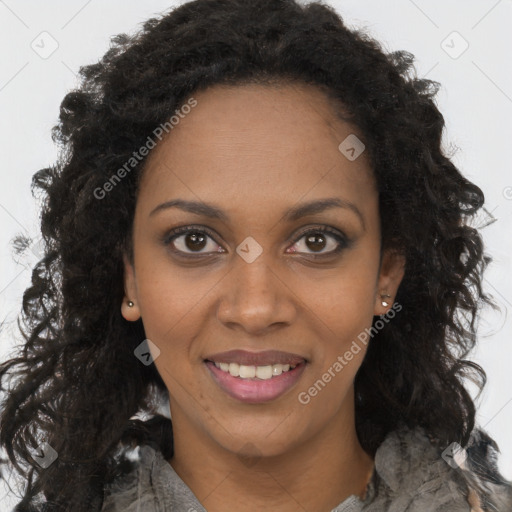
(252, 230)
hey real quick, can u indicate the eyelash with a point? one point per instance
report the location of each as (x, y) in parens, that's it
(341, 239)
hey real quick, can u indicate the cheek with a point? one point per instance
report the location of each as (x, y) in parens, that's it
(169, 296)
(342, 309)
(177, 307)
(342, 344)
(345, 297)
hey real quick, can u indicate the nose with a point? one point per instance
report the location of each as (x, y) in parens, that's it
(256, 298)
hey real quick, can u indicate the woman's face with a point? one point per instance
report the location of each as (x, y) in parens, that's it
(257, 281)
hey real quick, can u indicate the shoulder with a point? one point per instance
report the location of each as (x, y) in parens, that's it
(417, 475)
(133, 491)
(479, 465)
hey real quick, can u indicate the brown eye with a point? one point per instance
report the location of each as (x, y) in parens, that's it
(190, 241)
(195, 241)
(316, 242)
(324, 241)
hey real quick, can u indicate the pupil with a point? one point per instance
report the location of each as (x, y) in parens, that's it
(311, 240)
(198, 241)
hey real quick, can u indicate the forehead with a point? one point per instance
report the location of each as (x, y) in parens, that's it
(274, 140)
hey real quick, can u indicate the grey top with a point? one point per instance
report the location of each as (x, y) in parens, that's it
(410, 475)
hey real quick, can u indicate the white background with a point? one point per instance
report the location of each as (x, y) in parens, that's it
(476, 100)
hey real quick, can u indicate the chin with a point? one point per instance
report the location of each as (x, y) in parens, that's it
(257, 444)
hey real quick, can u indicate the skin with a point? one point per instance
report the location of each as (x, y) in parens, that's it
(254, 151)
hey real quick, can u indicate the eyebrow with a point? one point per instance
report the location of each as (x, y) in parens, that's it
(291, 215)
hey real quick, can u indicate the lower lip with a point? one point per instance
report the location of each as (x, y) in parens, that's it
(255, 391)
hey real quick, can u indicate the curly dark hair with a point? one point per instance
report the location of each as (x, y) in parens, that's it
(78, 385)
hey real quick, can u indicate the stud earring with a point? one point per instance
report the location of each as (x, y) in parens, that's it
(384, 302)
(130, 304)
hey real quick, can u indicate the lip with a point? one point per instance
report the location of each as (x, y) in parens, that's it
(255, 391)
(263, 358)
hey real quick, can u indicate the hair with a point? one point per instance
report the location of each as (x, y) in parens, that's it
(78, 385)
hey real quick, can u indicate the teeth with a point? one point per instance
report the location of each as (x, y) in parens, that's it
(234, 369)
(250, 372)
(262, 372)
(247, 372)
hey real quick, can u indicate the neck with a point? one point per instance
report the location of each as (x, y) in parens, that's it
(318, 474)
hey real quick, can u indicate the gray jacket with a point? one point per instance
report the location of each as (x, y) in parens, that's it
(410, 475)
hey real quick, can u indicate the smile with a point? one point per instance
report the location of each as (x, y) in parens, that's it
(255, 377)
(250, 372)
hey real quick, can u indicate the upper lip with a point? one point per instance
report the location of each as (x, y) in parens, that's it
(267, 357)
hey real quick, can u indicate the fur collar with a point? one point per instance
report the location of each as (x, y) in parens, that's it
(411, 474)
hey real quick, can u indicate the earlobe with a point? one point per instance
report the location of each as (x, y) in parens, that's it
(391, 273)
(129, 308)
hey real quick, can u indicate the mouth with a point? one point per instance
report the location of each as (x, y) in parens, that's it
(255, 377)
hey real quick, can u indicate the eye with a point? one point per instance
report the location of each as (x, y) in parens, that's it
(316, 240)
(190, 238)
(194, 241)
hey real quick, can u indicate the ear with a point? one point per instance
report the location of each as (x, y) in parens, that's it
(391, 272)
(130, 313)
